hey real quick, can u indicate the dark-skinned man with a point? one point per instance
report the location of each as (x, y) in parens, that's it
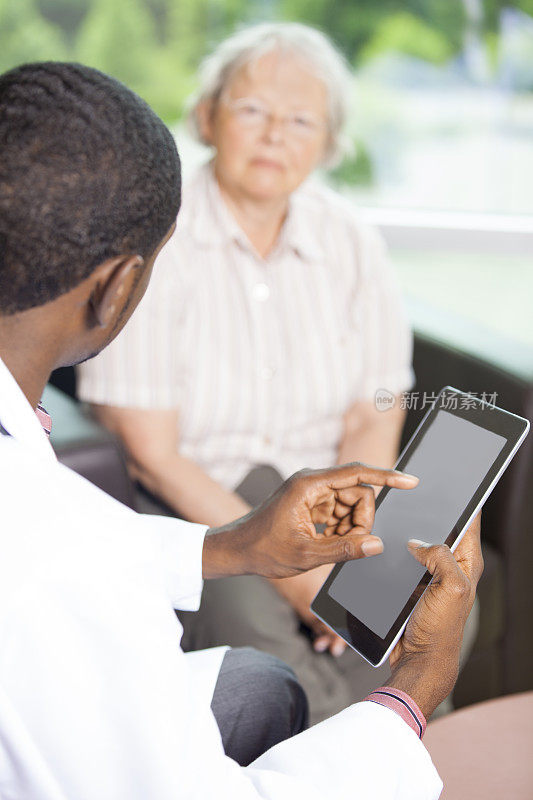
(97, 700)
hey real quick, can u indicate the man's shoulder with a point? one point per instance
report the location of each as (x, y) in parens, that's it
(56, 521)
(34, 487)
(18, 462)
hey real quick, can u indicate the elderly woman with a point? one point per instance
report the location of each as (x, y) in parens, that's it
(272, 320)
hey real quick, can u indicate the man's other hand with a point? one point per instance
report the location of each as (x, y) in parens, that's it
(425, 662)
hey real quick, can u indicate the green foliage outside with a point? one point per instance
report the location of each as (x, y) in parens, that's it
(26, 36)
(405, 33)
(154, 46)
(355, 169)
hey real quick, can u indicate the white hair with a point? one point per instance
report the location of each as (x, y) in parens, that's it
(290, 38)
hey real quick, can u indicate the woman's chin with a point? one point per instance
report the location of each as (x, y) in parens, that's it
(266, 190)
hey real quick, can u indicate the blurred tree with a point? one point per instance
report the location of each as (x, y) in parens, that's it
(195, 26)
(524, 5)
(350, 24)
(192, 28)
(26, 36)
(404, 33)
(119, 38)
(158, 9)
(354, 25)
(66, 14)
(355, 169)
(155, 46)
(446, 17)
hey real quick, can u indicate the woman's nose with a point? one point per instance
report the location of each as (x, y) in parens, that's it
(274, 129)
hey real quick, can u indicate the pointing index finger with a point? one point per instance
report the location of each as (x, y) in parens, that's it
(354, 474)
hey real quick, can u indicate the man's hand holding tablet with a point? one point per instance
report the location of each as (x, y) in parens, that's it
(425, 661)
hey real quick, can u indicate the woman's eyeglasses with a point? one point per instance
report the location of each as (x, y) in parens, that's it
(252, 113)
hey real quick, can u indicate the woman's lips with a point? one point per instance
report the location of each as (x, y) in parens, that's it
(267, 162)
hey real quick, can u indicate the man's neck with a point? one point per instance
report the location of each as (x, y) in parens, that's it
(26, 352)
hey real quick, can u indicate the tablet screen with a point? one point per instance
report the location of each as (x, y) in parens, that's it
(451, 460)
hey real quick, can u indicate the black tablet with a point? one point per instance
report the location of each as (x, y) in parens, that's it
(459, 452)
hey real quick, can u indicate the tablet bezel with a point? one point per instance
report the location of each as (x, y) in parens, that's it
(514, 428)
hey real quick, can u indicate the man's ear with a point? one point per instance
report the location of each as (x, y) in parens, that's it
(112, 284)
(204, 118)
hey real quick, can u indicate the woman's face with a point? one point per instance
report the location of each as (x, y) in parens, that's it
(269, 128)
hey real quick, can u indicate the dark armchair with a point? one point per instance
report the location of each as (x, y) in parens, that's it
(502, 659)
(83, 445)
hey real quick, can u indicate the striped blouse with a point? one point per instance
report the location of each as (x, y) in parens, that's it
(262, 357)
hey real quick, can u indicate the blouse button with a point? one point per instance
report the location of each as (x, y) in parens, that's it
(261, 292)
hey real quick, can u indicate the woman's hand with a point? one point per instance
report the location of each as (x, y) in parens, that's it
(300, 592)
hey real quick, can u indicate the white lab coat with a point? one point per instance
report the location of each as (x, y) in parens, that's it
(97, 700)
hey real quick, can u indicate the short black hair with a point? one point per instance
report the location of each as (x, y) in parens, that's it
(87, 172)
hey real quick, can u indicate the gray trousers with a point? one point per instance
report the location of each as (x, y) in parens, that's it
(247, 611)
(257, 703)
